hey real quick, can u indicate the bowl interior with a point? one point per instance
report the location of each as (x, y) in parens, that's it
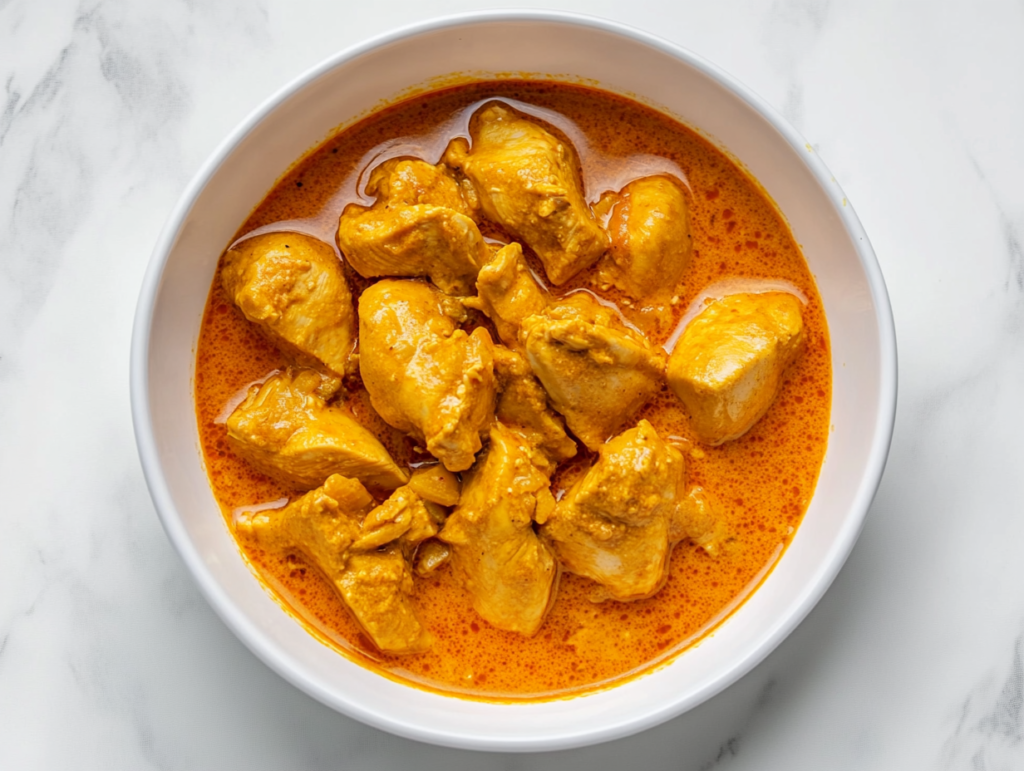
(548, 46)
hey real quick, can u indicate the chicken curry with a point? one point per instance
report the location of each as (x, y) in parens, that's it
(513, 389)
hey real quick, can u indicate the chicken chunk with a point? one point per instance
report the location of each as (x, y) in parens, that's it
(614, 525)
(509, 571)
(412, 182)
(507, 293)
(378, 587)
(293, 287)
(424, 375)
(437, 484)
(419, 226)
(697, 519)
(650, 237)
(597, 371)
(287, 431)
(728, 365)
(404, 518)
(527, 181)
(523, 407)
(430, 557)
(323, 523)
(333, 527)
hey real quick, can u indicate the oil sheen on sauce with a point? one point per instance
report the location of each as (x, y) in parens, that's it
(761, 483)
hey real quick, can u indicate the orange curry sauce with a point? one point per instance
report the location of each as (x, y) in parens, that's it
(762, 483)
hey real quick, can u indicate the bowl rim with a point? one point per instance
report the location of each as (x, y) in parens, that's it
(250, 634)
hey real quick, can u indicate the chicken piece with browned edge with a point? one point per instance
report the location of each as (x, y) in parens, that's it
(728, 365)
(292, 286)
(338, 530)
(617, 524)
(425, 376)
(418, 226)
(527, 180)
(596, 370)
(508, 570)
(285, 429)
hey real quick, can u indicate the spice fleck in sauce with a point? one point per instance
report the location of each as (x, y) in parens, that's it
(761, 483)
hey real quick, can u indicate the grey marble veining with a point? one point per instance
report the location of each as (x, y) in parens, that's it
(109, 657)
(990, 727)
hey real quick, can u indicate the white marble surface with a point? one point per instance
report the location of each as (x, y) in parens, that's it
(110, 659)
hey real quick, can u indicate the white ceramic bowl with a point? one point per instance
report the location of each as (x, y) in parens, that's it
(621, 60)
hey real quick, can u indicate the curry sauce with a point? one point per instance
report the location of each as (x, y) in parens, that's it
(761, 483)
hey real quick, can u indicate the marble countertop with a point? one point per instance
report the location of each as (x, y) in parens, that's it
(110, 658)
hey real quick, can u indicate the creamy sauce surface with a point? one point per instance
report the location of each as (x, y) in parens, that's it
(761, 483)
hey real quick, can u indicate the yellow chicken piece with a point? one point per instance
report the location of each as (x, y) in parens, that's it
(527, 181)
(614, 525)
(436, 484)
(329, 526)
(411, 182)
(696, 518)
(419, 226)
(650, 237)
(508, 293)
(597, 371)
(293, 287)
(507, 569)
(404, 518)
(728, 365)
(323, 523)
(430, 557)
(424, 375)
(287, 431)
(378, 588)
(523, 408)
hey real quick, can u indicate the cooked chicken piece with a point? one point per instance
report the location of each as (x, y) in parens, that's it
(507, 292)
(597, 371)
(323, 523)
(424, 375)
(378, 586)
(523, 407)
(509, 571)
(331, 526)
(650, 237)
(293, 287)
(430, 557)
(403, 518)
(613, 526)
(287, 431)
(411, 182)
(696, 519)
(436, 484)
(728, 365)
(527, 181)
(419, 226)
